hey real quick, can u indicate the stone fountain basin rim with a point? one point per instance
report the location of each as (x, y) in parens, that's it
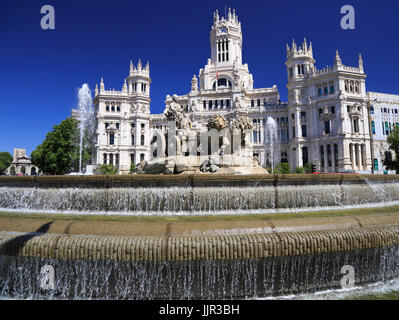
(168, 248)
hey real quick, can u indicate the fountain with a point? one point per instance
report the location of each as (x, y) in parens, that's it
(228, 259)
(271, 140)
(86, 118)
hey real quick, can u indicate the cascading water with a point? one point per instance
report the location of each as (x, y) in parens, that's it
(86, 118)
(202, 199)
(201, 279)
(271, 140)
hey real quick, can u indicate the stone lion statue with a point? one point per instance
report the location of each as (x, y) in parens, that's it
(217, 122)
(242, 123)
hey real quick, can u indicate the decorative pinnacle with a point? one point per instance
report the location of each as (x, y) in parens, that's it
(360, 61)
(338, 60)
(131, 68)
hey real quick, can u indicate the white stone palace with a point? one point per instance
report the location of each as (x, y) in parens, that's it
(326, 121)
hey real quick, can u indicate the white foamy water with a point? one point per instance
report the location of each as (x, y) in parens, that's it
(382, 289)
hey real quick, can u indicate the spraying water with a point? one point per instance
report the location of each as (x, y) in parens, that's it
(271, 139)
(86, 113)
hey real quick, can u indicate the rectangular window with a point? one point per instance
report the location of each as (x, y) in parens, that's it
(283, 136)
(252, 103)
(372, 110)
(373, 127)
(204, 105)
(386, 128)
(355, 126)
(111, 138)
(293, 132)
(255, 135)
(304, 133)
(258, 103)
(227, 103)
(327, 127)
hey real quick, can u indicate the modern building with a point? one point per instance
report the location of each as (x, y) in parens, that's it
(325, 121)
(384, 114)
(21, 164)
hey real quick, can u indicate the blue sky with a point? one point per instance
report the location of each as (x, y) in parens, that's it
(42, 69)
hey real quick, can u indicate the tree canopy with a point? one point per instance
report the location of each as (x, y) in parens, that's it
(393, 142)
(5, 161)
(59, 152)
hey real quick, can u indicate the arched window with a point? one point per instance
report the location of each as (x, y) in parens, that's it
(141, 157)
(222, 83)
(325, 91)
(104, 158)
(332, 89)
(322, 157)
(319, 92)
(320, 111)
(111, 158)
(118, 108)
(142, 140)
(106, 108)
(112, 108)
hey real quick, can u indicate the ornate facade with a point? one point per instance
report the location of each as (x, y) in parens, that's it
(325, 121)
(21, 164)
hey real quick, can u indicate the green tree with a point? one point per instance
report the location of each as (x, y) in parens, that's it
(59, 152)
(132, 167)
(106, 169)
(393, 142)
(5, 161)
(308, 167)
(299, 170)
(282, 167)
